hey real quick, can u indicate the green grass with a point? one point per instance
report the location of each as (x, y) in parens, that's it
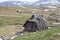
(11, 21)
(8, 24)
(7, 20)
(42, 35)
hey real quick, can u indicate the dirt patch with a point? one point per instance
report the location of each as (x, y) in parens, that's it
(11, 29)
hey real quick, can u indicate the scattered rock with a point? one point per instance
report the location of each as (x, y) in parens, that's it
(49, 27)
(1, 39)
(19, 11)
(51, 38)
(19, 33)
(58, 34)
(13, 37)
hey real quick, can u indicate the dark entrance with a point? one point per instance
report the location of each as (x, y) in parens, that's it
(35, 23)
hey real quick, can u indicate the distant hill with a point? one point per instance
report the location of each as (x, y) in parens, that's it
(14, 3)
(37, 3)
(46, 2)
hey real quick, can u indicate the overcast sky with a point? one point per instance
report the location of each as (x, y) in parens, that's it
(20, 0)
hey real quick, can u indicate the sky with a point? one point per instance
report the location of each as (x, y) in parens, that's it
(20, 0)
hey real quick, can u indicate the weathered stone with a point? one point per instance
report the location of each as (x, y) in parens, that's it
(1, 39)
(19, 33)
(58, 34)
(19, 11)
(35, 23)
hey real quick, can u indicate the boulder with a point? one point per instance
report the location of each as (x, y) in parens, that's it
(35, 23)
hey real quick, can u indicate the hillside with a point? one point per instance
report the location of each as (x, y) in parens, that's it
(12, 21)
(49, 34)
(46, 2)
(37, 3)
(9, 3)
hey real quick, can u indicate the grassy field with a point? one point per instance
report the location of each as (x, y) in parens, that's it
(11, 22)
(49, 34)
